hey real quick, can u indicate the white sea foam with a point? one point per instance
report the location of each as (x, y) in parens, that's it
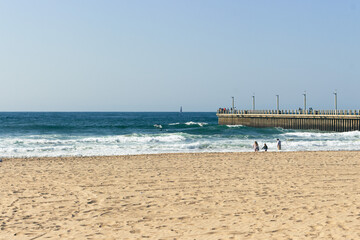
(201, 124)
(322, 135)
(53, 145)
(114, 145)
(234, 126)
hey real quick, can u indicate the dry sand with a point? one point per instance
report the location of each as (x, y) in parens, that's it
(292, 195)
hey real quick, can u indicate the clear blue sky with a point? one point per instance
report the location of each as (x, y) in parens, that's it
(159, 55)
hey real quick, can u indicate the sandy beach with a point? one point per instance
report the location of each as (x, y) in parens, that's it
(285, 195)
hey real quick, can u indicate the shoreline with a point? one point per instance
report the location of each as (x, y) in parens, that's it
(178, 154)
(241, 195)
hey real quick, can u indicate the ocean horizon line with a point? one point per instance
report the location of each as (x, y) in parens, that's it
(107, 111)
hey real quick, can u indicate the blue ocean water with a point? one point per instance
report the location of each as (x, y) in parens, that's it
(32, 134)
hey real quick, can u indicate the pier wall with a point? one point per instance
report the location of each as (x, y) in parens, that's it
(338, 123)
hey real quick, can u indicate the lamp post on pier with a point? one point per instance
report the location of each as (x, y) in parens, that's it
(304, 101)
(335, 94)
(277, 104)
(232, 110)
(253, 102)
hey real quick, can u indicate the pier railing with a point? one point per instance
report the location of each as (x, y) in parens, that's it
(291, 112)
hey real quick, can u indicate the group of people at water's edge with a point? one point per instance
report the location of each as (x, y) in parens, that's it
(265, 147)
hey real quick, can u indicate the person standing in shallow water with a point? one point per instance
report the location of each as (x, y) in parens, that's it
(278, 144)
(265, 147)
(256, 146)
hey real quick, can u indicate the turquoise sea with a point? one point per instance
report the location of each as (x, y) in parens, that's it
(36, 134)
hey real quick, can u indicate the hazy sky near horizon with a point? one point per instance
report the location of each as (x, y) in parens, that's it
(157, 55)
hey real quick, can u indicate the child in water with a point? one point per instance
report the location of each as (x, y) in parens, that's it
(256, 146)
(278, 144)
(265, 147)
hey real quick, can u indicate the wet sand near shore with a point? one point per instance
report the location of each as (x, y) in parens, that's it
(273, 195)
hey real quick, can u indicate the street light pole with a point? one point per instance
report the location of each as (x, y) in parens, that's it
(232, 111)
(304, 101)
(335, 93)
(277, 103)
(253, 98)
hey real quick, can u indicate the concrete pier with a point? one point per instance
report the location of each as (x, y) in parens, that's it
(339, 121)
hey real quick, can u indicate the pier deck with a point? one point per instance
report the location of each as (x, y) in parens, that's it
(339, 121)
